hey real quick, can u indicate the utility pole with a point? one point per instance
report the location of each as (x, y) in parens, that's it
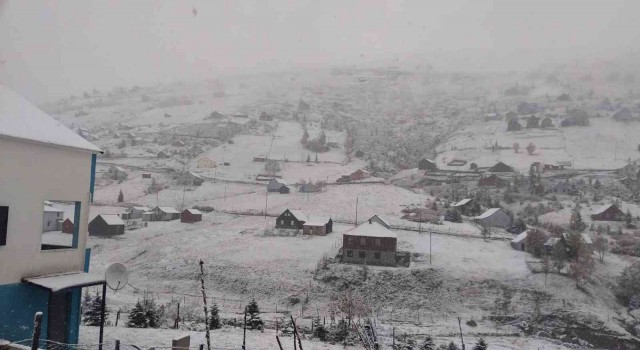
(460, 325)
(206, 310)
(356, 210)
(266, 198)
(430, 254)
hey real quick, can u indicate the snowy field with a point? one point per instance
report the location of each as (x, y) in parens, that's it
(605, 144)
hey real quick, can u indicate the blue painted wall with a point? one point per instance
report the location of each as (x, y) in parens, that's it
(93, 175)
(18, 304)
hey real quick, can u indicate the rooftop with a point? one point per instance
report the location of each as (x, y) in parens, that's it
(371, 229)
(488, 213)
(20, 119)
(112, 219)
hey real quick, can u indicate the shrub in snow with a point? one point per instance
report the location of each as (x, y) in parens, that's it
(628, 289)
(137, 317)
(320, 332)
(428, 344)
(480, 345)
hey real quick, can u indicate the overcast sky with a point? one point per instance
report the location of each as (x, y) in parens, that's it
(50, 49)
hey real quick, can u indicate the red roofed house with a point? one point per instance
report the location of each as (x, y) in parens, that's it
(68, 226)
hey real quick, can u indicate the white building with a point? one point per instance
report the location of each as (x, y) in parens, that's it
(41, 160)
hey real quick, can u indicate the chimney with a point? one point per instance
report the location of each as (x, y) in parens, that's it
(369, 220)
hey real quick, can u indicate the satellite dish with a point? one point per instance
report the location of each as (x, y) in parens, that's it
(116, 276)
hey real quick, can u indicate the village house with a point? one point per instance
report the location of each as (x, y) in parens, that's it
(278, 185)
(369, 243)
(501, 167)
(546, 123)
(136, 212)
(427, 164)
(42, 159)
(563, 187)
(68, 226)
(609, 212)
(206, 163)
(52, 218)
(116, 173)
(106, 225)
(467, 206)
(308, 187)
(146, 175)
(381, 220)
(318, 226)
(165, 214)
(190, 216)
(533, 122)
(494, 217)
(359, 175)
(191, 179)
(518, 242)
(163, 154)
(514, 125)
(291, 219)
(344, 178)
(493, 180)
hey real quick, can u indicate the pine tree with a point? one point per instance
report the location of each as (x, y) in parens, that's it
(253, 308)
(576, 223)
(628, 218)
(308, 158)
(322, 138)
(137, 317)
(92, 314)
(151, 313)
(480, 345)
(316, 158)
(214, 317)
(120, 197)
(428, 344)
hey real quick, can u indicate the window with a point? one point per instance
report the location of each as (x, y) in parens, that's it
(350, 253)
(4, 220)
(376, 255)
(60, 224)
(363, 241)
(282, 222)
(361, 254)
(349, 239)
(378, 242)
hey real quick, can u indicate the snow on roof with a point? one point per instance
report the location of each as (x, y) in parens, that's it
(317, 220)
(371, 229)
(195, 175)
(280, 181)
(382, 218)
(142, 208)
(48, 208)
(193, 211)
(20, 119)
(586, 238)
(462, 202)
(67, 280)
(602, 209)
(299, 214)
(521, 237)
(169, 210)
(552, 241)
(488, 213)
(118, 168)
(111, 219)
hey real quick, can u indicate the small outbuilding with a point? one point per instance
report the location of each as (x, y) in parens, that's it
(116, 173)
(205, 162)
(190, 216)
(165, 214)
(359, 174)
(68, 226)
(318, 226)
(518, 242)
(467, 206)
(278, 185)
(609, 212)
(427, 164)
(106, 225)
(494, 217)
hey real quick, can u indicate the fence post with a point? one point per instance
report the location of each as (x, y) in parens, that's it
(37, 327)
(201, 347)
(117, 344)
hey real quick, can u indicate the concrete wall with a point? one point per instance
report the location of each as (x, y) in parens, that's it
(31, 174)
(386, 258)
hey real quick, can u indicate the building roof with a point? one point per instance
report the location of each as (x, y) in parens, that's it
(371, 229)
(67, 280)
(141, 208)
(382, 218)
(48, 208)
(118, 168)
(317, 220)
(488, 213)
(194, 211)
(169, 210)
(551, 241)
(602, 209)
(111, 219)
(279, 181)
(195, 175)
(462, 202)
(299, 214)
(586, 238)
(521, 237)
(20, 119)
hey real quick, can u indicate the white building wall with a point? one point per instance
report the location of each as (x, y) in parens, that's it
(31, 173)
(50, 220)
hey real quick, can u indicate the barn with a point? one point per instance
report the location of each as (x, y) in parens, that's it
(68, 226)
(494, 217)
(609, 212)
(166, 213)
(190, 216)
(278, 185)
(493, 180)
(501, 167)
(318, 226)
(370, 243)
(467, 206)
(106, 225)
(427, 164)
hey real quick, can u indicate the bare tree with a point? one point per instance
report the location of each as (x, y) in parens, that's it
(531, 148)
(601, 244)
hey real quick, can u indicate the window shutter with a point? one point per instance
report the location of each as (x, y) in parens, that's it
(4, 219)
